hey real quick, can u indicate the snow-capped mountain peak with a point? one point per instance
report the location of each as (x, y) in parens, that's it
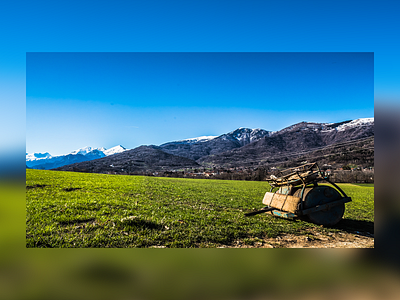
(114, 150)
(247, 135)
(47, 161)
(86, 150)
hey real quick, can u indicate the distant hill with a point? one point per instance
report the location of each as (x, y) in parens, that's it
(140, 159)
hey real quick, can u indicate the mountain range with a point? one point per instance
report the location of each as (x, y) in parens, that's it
(295, 140)
(332, 143)
(46, 161)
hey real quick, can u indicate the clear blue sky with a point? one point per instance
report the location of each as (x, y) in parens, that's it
(105, 99)
(184, 26)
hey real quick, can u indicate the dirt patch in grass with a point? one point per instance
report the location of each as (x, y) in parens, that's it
(313, 239)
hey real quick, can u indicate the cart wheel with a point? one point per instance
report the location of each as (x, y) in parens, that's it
(320, 195)
(329, 217)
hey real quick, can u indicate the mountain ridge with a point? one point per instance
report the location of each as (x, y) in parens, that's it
(242, 147)
(303, 136)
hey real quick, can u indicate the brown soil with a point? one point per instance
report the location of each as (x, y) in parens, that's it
(313, 239)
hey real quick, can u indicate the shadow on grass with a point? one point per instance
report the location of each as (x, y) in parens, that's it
(28, 187)
(74, 222)
(136, 223)
(41, 244)
(364, 228)
(70, 189)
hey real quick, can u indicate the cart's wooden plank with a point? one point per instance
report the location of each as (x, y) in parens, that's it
(282, 202)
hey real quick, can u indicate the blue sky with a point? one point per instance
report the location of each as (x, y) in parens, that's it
(181, 26)
(105, 99)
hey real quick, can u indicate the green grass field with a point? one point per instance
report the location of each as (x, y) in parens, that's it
(68, 209)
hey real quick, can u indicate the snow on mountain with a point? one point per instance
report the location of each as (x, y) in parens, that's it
(51, 162)
(86, 150)
(199, 139)
(246, 135)
(36, 156)
(106, 152)
(47, 161)
(195, 140)
(356, 123)
(114, 150)
(327, 127)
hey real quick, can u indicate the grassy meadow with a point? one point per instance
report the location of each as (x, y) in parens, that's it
(69, 209)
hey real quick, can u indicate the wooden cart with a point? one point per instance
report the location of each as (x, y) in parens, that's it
(299, 194)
